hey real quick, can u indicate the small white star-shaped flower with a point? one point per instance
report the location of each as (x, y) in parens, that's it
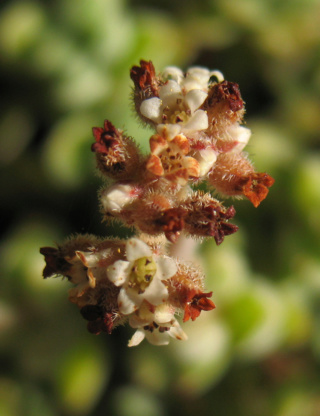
(156, 326)
(140, 276)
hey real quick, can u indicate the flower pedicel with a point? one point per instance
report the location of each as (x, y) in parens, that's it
(198, 137)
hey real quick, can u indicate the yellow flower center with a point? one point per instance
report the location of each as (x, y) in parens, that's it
(142, 273)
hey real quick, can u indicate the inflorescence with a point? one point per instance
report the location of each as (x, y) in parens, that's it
(150, 279)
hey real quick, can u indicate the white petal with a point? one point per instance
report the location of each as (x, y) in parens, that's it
(195, 98)
(218, 75)
(199, 73)
(136, 321)
(156, 293)
(151, 108)
(118, 272)
(170, 93)
(190, 84)
(136, 249)
(163, 315)
(166, 267)
(137, 337)
(126, 304)
(169, 131)
(241, 135)
(172, 72)
(199, 121)
(169, 88)
(116, 197)
(176, 332)
(158, 338)
(91, 259)
(206, 159)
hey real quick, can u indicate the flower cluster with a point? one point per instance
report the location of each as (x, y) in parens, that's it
(198, 138)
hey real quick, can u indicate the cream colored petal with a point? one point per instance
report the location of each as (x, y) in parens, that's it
(206, 158)
(199, 73)
(116, 197)
(194, 99)
(157, 144)
(169, 131)
(166, 267)
(151, 108)
(169, 93)
(157, 338)
(154, 165)
(199, 121)
(217, 74)
(172, 73)
(91, 259)
(125, 303)
(169, 88)
(163, 315)
(176, 332)
(156, 293)
(192, 165)
(137, 338)
(118, 272)
(241, 135)
(135, 249)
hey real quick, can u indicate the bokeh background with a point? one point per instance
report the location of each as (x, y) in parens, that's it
(65, 68)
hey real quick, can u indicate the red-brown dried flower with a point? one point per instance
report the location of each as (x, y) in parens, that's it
(195, 303)
(107, 139)
(223, 104)
(255, 187)
(172, 223)
(207, 217)
(144, 78)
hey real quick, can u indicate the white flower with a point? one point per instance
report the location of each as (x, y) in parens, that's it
(156, 326)
(140, 276)
(117, 196)
(179, 100)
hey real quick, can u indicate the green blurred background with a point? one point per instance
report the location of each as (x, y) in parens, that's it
(65, 68)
